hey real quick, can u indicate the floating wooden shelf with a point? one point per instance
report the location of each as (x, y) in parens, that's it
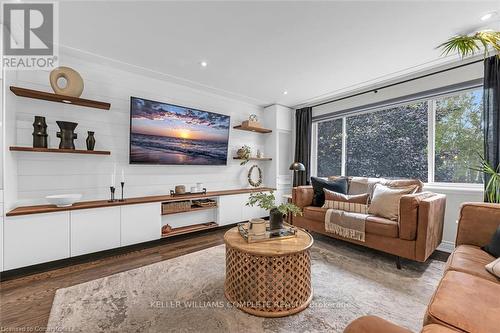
(193, 209)
(57, 150)
(190, 228)
(36, 94)
(255, 158)
(253, 129)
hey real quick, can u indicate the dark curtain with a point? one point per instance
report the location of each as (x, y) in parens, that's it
(491, 112)
(303, 133)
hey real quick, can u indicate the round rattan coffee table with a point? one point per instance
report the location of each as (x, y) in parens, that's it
(268, 279)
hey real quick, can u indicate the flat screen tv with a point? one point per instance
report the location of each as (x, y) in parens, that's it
(162, 133)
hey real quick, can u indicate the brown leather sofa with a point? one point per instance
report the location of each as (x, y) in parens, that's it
(468, 297)
(415, 236)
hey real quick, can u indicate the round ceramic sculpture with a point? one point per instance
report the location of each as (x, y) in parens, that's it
(74, 82)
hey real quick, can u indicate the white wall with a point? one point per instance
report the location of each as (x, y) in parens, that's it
(455, 195)
(31, 176)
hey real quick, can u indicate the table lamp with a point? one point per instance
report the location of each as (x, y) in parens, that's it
(296, 167)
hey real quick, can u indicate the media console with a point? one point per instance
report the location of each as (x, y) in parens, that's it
(43, 233)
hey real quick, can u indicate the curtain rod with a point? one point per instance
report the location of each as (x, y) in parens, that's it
(397, 83)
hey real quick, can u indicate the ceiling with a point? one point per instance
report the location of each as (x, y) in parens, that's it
(257, 50)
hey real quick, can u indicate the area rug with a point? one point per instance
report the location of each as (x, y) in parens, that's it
(186, 294)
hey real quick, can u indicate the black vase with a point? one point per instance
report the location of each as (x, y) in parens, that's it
(67, 134)
(90, 140)
(275, 219)
(40, 132)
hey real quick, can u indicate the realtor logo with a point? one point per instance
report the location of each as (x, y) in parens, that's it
(29, 35)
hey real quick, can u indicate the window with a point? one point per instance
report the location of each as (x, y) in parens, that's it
(330, 148)
(435, 140)
(459, 137)
(388, 143)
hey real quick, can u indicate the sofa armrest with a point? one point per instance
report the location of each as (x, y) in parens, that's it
(477, 223)
(373, 324)
(302, 196)
(430, 225)
(408, 214)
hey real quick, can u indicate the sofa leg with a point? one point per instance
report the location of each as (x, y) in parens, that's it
(398, 262)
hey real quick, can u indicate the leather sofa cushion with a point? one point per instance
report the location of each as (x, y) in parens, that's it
(471, 259)
(435, 328)
(374, 225)
(314, 213)
(381, 226)
(466, 302)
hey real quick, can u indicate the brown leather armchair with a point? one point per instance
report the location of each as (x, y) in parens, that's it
(466, 299)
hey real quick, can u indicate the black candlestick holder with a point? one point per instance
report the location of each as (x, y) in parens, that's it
(123, 185)
(112, 189)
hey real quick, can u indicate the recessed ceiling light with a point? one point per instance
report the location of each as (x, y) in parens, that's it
(204, 64)
(285, 92)
(487, 16)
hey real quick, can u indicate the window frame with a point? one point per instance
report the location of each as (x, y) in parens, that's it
(431, 137)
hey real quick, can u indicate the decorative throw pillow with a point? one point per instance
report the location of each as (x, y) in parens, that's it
(493, 247)
(348, 203)
(318, 184)
(385, 200)
(494, 267)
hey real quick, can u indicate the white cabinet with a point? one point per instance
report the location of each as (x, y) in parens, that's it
(253, 212)
(231, 208)
(94, 230)
(140, 223)
(33, 239)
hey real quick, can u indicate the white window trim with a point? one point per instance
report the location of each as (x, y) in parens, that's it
(431, 144)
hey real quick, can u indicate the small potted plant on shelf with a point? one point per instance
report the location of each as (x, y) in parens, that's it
(267, 201)
(244, 154)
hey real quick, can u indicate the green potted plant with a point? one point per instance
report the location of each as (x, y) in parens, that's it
(468, 45)
(492, 190)
(267, 201)
(244, 154)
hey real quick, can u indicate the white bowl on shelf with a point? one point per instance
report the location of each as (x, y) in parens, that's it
(63, 200)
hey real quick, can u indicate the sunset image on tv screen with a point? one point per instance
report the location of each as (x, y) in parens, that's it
(163, 133)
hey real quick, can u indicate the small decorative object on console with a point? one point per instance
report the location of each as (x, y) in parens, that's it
(90, 140)
(67, 134)
(260, 154)
(180, 189)
(40, 132)
(174, 194)
(74, 81)
(112, 197)
(251, 181)
(63, 200)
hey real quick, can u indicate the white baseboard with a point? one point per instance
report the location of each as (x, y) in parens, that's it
(446, 246)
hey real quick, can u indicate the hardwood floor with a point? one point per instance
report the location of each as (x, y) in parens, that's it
(25, 301)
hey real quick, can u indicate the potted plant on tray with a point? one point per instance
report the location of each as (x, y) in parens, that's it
(492, 190)
(267, 201)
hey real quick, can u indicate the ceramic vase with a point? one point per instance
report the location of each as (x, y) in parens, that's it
(40, 132)
(67, 134)
(90, 140)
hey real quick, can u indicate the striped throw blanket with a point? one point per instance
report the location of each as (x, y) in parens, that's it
(346, 224)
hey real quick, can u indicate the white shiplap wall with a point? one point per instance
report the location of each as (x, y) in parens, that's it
(33, 176)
